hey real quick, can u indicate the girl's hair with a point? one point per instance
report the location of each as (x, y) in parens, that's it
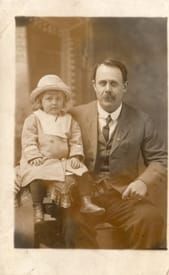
(68, 104)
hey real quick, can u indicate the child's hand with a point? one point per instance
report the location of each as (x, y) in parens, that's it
(75, 163)
(36, 162)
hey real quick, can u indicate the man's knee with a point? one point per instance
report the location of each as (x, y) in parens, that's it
(148, 227)
(149, 215)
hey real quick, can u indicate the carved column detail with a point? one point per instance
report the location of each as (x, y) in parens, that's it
(67, 58)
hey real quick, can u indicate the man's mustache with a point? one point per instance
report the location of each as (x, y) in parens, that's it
(109, 97)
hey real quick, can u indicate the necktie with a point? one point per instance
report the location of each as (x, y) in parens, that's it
(106, 128)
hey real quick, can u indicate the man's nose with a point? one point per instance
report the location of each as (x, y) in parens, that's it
(108, 87)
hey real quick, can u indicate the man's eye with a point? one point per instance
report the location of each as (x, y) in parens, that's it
(114, 84)
(102, 83)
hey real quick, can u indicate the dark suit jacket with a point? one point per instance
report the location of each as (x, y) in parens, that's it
(134, 134)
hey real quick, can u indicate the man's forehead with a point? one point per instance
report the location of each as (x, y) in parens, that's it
(105, 71)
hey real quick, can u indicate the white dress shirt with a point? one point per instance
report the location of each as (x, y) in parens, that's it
(102, 115)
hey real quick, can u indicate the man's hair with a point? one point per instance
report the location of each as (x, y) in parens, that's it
(112, 63)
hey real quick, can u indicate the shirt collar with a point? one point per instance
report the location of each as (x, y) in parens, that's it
(41, 113)
(103, 114)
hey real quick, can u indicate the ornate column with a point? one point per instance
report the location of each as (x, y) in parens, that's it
(22, 83)
(67, 58)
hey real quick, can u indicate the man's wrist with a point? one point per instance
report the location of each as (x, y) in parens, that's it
(141, 180)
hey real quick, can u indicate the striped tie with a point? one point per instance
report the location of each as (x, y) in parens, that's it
(106, 128)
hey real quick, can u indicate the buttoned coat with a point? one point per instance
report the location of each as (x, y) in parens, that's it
(134, 135)
(54, 149)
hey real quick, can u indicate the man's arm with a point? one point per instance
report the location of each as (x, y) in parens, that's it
(154, 155)
(155, 160)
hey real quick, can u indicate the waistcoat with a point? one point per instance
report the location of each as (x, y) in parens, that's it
(103, 153)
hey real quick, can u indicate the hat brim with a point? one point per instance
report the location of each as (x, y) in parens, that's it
(40, 90)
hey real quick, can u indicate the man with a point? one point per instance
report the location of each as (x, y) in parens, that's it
(114, 134)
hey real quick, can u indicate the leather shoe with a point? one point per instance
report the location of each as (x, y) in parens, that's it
(88, 207)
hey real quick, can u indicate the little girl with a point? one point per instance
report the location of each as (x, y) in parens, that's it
(52, 150)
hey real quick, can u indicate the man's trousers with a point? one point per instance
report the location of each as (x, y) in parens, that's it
(139, 220)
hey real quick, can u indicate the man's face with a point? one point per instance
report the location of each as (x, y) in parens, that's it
(109, 87)
(53, 102)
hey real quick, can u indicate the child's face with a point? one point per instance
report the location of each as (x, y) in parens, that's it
(53, 102)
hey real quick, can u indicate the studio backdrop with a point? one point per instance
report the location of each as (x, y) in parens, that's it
(70, 46)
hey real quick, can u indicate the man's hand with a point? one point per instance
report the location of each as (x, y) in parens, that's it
(135, 190)
(75, 163)
(37, 161)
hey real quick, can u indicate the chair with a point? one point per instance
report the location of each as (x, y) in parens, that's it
(53, 232)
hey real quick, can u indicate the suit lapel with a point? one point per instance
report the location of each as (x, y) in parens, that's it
(91, 133)
(122, 129)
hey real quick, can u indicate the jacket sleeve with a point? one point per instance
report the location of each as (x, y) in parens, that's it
(30, 148)
(75, 140)
(154, 155)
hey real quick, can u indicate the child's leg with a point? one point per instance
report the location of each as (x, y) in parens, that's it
(85, 188)
(85, 184)
(38, 191)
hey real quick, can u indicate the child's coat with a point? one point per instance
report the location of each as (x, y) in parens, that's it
(54, 139)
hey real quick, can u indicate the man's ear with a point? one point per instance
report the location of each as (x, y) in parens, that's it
(125, 85)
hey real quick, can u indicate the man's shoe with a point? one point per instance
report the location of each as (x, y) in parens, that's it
(89, 208)
(38, 213)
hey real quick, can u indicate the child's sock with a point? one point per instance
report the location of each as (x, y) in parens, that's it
(38, 212)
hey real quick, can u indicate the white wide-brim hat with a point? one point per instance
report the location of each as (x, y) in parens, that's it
(50, 82)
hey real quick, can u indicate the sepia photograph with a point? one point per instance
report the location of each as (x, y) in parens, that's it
(91, 133)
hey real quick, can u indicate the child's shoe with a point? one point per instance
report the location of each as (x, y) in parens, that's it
(38, 213)
(88, 207)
